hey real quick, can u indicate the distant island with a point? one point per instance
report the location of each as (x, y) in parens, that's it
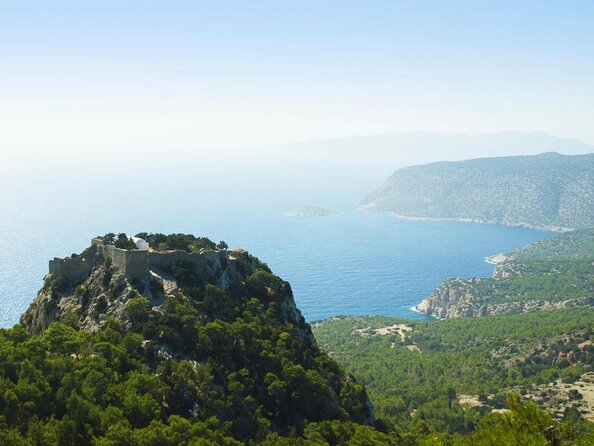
(310, 211)
(548, 191)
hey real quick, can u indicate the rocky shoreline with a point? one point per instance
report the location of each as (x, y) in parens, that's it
(489, 296)
(455, 298)
(559, 229)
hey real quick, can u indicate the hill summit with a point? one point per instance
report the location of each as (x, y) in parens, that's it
(172, 337)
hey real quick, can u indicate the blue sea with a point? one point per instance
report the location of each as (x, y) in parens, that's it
(350, 263)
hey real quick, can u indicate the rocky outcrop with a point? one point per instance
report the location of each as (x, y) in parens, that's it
(220, 317)
(453, 298)
(549, 274)
(106, 290)
(459, 298)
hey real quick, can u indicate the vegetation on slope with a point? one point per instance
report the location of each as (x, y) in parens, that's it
(553, 271)
(548, 191)
(553, 281)
(416, 382)
(570, 245)
(74, 387)
(220, 355)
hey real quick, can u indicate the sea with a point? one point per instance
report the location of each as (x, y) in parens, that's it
(351, 263)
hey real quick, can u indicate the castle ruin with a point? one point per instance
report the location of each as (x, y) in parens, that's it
(135, 264)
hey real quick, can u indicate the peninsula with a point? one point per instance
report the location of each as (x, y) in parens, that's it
(549, 274)
(548, 191)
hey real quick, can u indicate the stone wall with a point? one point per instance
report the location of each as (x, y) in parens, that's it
(134, 263)
(205, 260)
(74, 268)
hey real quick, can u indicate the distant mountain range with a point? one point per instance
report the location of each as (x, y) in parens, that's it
(405, 149)
(546, 191)
(335, 171)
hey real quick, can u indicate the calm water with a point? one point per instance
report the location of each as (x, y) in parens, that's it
(349, 263)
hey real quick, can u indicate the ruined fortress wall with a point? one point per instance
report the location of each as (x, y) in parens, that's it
(70, 268)
(164, 259)
(137, 266)
(134, 264)
(74, 268)
(206, 261)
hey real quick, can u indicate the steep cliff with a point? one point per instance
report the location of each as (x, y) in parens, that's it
(459, 298)
(550, 274)
(106, 290)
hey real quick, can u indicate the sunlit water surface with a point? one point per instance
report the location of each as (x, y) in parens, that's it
(351, 263)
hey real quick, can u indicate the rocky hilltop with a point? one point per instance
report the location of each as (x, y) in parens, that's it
(111, 282)
(547, 191)
(550, 274)
(179, 328)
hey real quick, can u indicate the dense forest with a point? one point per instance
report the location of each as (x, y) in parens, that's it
(419, 373)
(73, 387)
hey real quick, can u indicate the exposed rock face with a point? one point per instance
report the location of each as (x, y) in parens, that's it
(458, 298)
(562, 263)
(106, 291)
(548, 191)
(453, 298)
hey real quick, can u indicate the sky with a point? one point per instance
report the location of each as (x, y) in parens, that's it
(99, 78)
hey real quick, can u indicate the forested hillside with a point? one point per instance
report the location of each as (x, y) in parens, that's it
(548, 191)
(215, 352)
(213, 356)
(446, 376)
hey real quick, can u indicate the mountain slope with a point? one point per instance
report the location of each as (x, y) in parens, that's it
(547, 191)
(215, 345)
(450, 373)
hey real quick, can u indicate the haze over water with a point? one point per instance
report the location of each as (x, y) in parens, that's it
(350, 263)
(120, 116)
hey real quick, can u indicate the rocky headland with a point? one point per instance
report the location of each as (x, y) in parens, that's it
(550, 274)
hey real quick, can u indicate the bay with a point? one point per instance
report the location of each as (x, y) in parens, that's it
(350, 263)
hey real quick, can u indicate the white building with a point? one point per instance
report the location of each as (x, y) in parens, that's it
(141, 244)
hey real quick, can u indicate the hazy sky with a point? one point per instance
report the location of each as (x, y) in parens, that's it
(146, 76)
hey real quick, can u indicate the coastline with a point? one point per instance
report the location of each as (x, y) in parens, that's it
(558, 229)
(496, 259)
(414, 309)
